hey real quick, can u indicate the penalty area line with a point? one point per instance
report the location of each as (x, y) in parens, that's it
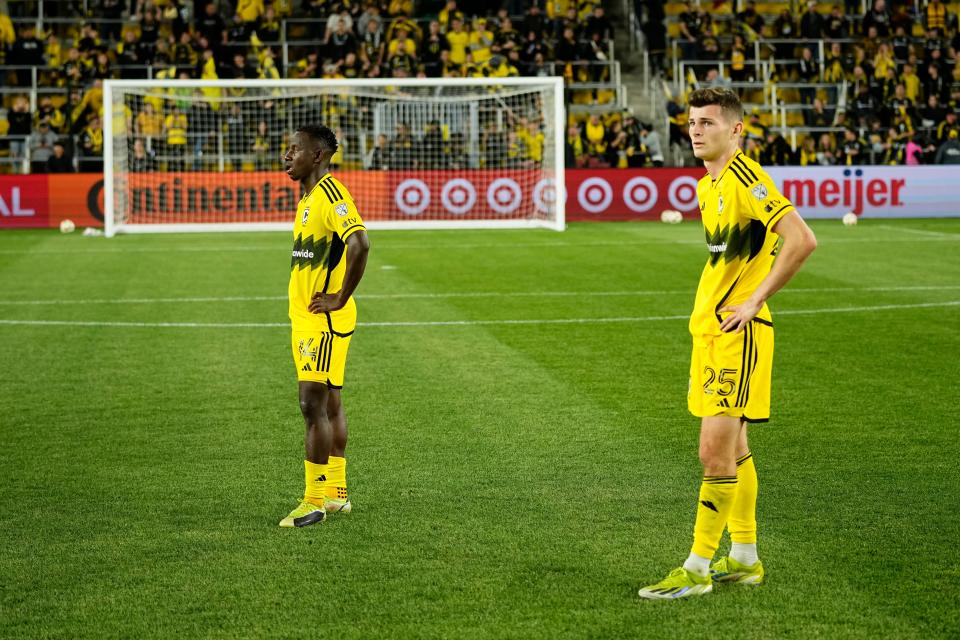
(458, 323)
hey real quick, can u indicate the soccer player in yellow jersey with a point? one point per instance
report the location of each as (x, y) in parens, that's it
(329, 255)
(756, 242)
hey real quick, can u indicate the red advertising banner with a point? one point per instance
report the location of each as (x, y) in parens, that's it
(472, 194)
(24, 202)
(77, 196)
(45, 200)
(161, 197)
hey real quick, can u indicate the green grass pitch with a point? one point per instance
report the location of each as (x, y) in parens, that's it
(518, 472)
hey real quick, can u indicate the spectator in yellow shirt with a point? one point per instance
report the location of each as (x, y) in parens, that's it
(533, 140)
(448, 14)
(458, 40)
(175, 128)
(402, 43)
(481, 39)
(250, 11)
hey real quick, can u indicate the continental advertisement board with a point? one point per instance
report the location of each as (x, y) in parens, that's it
(817, 192)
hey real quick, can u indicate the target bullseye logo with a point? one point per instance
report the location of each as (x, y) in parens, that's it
(683, 193)
(504, 195)
(595, 195)
(412, 196)
(458, 196)
(545, 195)
(640, 194)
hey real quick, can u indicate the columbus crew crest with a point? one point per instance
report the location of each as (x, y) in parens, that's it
(307, 350)
(759, 192)
(306, 213)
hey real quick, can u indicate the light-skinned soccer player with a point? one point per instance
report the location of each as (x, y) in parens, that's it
(756, 242)
(329, 256)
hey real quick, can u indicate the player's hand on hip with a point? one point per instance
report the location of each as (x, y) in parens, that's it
(325, 303)
(740, 316)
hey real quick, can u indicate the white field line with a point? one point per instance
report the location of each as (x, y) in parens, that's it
(464, 294)
(460, 323)
(921, 232)
(143, 300)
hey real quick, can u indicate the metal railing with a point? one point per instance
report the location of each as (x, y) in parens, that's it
(763, 70)
(821, 48)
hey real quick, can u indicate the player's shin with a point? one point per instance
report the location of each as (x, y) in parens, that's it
(315, 482)
(717, 494)
(743, 516)
(336, 488)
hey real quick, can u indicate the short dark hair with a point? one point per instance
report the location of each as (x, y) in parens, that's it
(322, 135)
(726, 99)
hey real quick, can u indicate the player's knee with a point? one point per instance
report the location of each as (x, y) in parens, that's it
(713, 456)
(313, 400)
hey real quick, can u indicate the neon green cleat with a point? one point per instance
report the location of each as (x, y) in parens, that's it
(679, 584)
(304, 515)
(337, 506)
(729, 570)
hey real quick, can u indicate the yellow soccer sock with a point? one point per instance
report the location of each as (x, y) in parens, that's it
(315, 479)
(337, 478)
(743, 516)
(716, 500)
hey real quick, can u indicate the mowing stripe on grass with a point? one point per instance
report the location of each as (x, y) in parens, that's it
(461, 294)
(933, 237)
(455, 323)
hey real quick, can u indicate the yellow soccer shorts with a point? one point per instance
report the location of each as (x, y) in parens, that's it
(320, 356)
(730, 374)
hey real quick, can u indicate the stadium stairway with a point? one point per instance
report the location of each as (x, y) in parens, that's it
(646, 101)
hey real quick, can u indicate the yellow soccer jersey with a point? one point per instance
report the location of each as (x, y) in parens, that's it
(326, 217)
(738, 210)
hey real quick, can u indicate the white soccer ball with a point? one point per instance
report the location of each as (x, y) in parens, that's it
(67, 226)
(671, 216)
(850, 219)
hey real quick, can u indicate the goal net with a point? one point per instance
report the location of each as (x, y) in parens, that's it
(189, 155)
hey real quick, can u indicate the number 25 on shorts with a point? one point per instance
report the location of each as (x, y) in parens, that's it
(726, 381)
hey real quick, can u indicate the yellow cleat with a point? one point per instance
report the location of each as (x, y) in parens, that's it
(729, 570)
(304, 515)
(337, 506)
(679, 584)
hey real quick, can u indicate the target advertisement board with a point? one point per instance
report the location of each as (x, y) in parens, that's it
(620, 194)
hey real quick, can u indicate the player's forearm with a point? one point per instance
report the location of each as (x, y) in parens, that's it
(793, 254)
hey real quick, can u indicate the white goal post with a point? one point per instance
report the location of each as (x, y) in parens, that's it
(418, 153)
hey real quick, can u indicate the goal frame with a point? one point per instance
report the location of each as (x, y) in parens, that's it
(558, 223)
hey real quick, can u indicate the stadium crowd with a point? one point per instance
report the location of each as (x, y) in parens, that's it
(86, 42)
(900, 69)
(899, 65)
